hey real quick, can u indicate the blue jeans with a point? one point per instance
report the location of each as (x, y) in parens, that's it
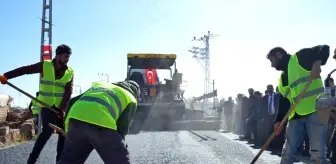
(294, 136)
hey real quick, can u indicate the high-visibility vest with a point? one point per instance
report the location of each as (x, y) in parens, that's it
(101, 105)
(35, 108)
(51, 90)
(298, 77)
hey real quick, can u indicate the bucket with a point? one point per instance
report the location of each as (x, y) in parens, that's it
(324, 106)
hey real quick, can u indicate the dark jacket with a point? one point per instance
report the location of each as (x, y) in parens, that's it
(30, 106)
(283, 108)
(255, 109)
(276, 104)
(264, 107)
(228, 107)
(245, 107)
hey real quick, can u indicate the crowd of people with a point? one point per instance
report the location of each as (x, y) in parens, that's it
(253, 118)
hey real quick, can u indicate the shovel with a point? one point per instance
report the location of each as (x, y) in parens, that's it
(57, 129)
(33, 98)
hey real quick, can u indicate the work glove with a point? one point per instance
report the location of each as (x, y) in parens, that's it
(60, 113)
(3, 79)
(277, 128)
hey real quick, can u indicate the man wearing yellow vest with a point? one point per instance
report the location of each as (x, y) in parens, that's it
(55, 90)
(99, 119)
(35, 109)
(297, 70)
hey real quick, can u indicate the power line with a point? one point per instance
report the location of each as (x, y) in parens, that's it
(202, 55)
(102, 77)
(78, 89)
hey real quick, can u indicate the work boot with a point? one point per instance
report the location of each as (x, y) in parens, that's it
(31, 159)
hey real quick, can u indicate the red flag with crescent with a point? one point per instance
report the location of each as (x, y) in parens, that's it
(150, 76)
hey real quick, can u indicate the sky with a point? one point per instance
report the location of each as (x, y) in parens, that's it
(101, 33)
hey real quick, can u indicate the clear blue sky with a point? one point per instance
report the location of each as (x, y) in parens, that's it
(102, 32)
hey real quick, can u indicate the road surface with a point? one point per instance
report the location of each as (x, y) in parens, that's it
(180, 147)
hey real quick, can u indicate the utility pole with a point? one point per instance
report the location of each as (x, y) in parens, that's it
(104, 74)
(202, 55)
(80, 89)
(46, 48)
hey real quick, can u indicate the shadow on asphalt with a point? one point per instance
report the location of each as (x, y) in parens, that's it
(255, 146)
(274, 152)
(299, 158)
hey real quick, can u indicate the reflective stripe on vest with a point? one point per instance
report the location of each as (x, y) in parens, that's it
(308, 93)
(51, 83)
(296, 86)
(103, 102)
(51, 90)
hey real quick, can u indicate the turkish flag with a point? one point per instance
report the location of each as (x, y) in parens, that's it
(150, 76)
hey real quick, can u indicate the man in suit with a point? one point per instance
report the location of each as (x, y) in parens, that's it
(246, 110)
(263, 123)
(279, 140)
(254, 117)
(272, 108)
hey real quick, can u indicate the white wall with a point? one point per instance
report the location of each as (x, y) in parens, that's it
(3, 99)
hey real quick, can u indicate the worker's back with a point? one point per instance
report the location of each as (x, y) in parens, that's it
(101, 105)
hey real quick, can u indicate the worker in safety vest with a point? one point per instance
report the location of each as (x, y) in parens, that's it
(35, 109)
(297, 70)
(55, 90)
(100, 119)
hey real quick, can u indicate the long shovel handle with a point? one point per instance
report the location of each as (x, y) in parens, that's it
(268, 142)
(33, 98)
(57, 129)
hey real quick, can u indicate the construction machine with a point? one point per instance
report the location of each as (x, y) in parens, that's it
(196, 114)
(161, 101)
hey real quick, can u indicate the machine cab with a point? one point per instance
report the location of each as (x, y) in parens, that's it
(144, 69)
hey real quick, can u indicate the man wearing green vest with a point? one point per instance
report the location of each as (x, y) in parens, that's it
(297, 70)
(99, 119)
(55, 90)
(35, 109)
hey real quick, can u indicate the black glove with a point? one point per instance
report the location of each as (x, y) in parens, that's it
(60, 113)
